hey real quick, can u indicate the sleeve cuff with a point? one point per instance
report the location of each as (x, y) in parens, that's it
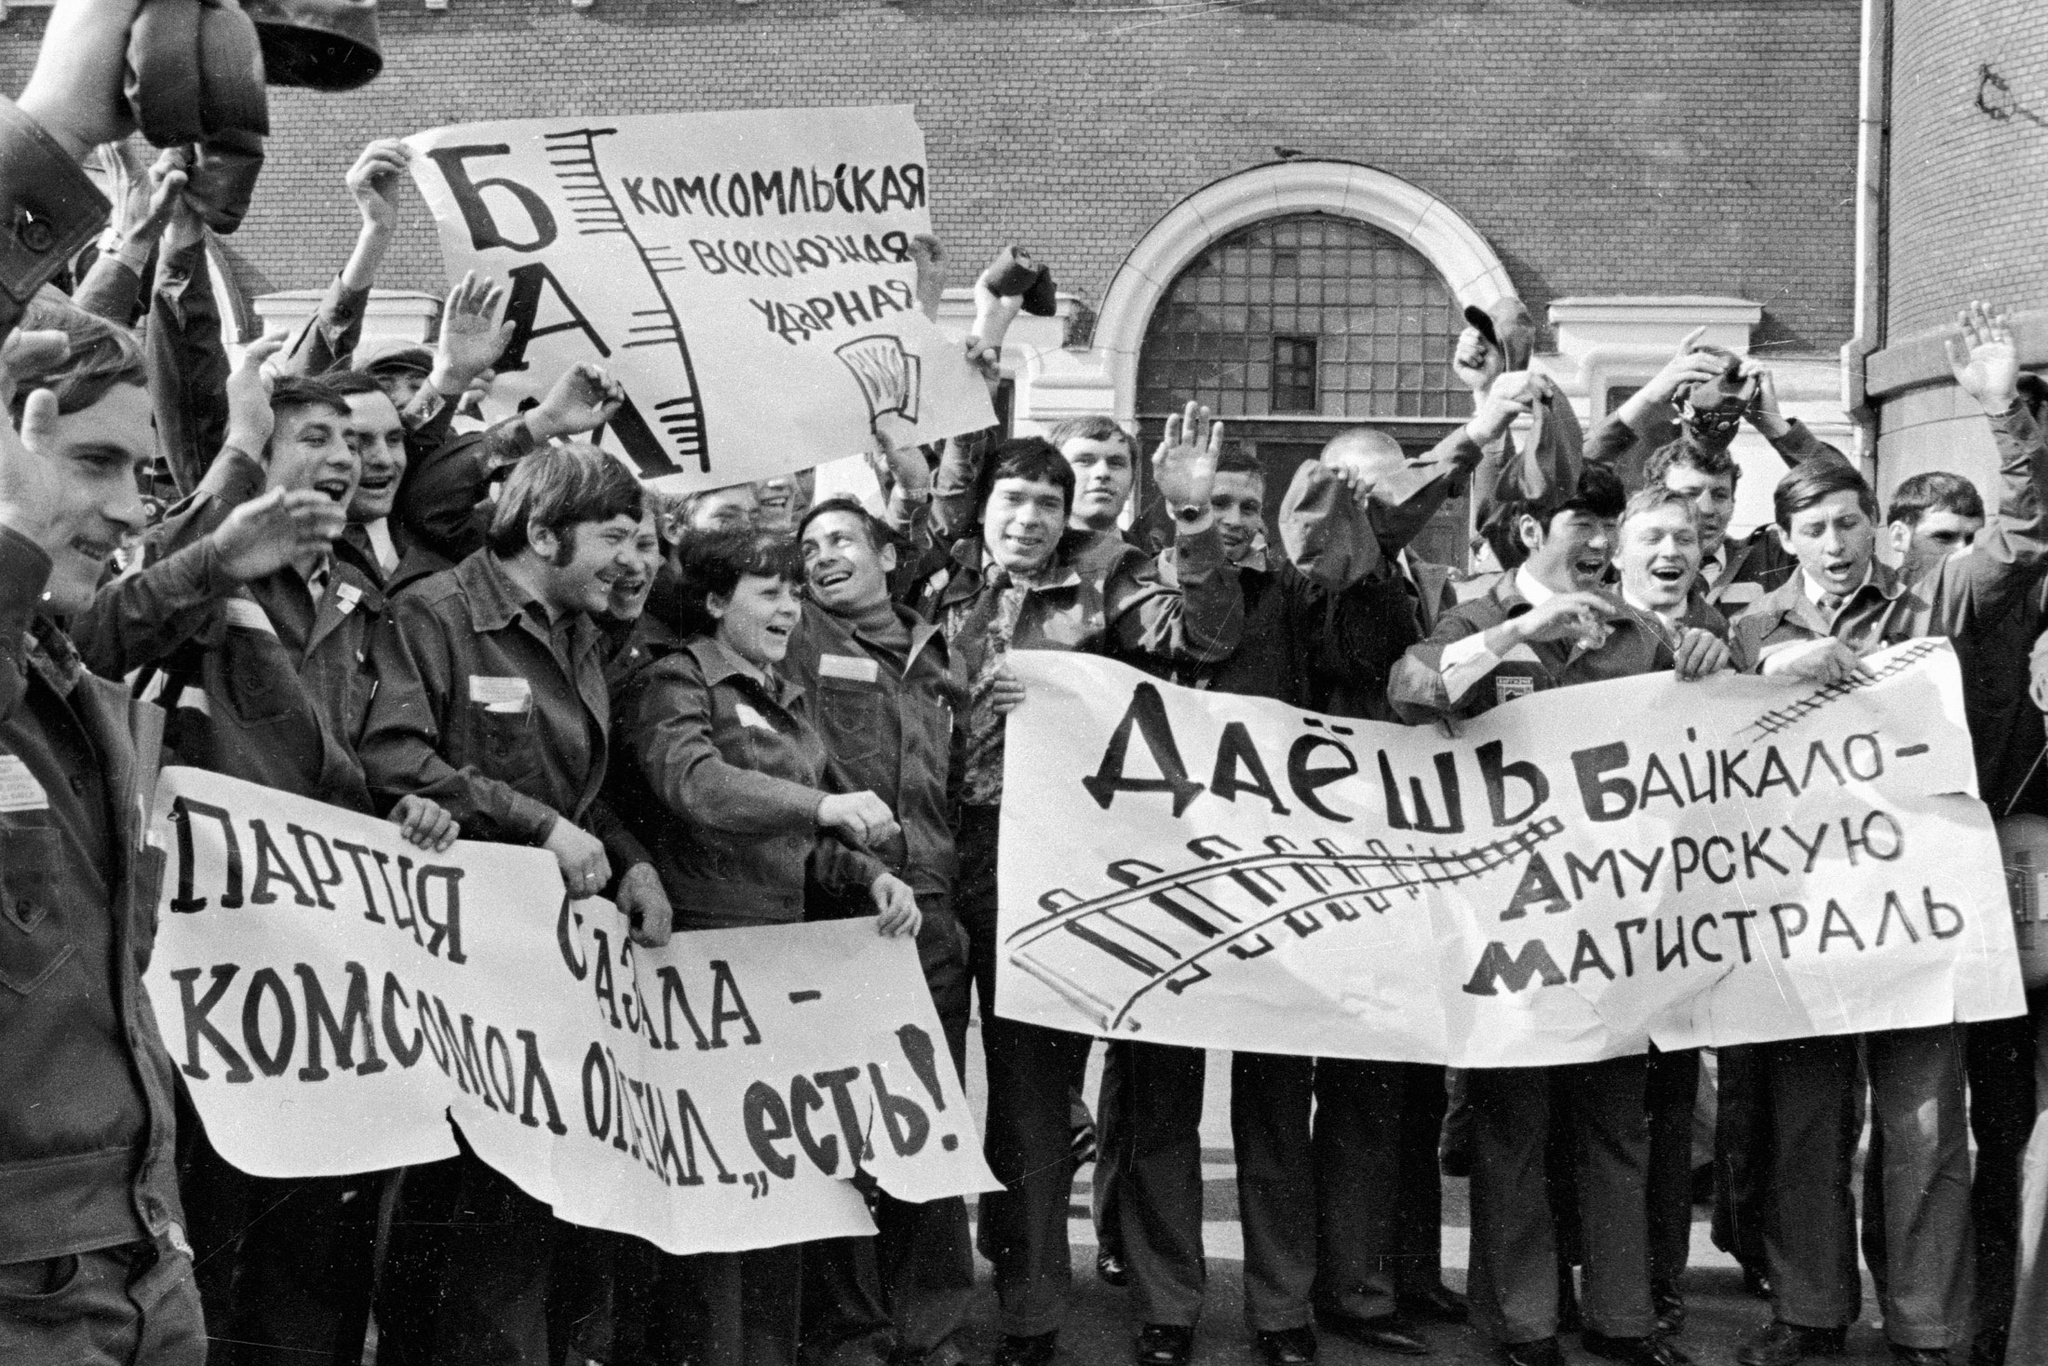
(1464, 663)
(49, 208)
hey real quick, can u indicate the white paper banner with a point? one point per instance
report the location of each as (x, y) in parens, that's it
(745, 275)
(333, 994)
(1575, 874)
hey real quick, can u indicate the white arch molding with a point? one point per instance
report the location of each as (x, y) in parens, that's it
(1055, 385)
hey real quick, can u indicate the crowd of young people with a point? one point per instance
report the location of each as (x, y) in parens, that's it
(316, 567)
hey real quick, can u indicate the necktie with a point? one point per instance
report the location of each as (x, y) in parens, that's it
(1831, 603)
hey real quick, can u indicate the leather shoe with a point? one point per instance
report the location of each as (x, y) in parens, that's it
(1920, 1356)
(1382, 1333)
(1643, 1351)
(1785, 1344)
(1014, 1350)
(1287, 1346)
(1438, 1304)
(1165, 1344)
(1541, 1352)
(1670, 1307)
(1110, 1269)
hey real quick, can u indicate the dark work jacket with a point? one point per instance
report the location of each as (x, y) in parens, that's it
(1636, 644)
(1957, 598)
(889, 727)
(487, 709)
(86, 1127)
(262, 683)
(730, 772)
(2006, 730)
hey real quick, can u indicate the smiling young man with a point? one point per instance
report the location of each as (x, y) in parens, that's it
(92, 1232)
(886, 697)
(255, 632)
(1658, 555)
(1025, 583)
(1842, 605)
(1550, 624)
(491, 700)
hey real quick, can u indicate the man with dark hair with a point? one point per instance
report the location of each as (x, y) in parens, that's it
(885, 693)
(1933, 515)
(254, 631)
(491, 700)
(1105, 461)
(1341, 1216)
(1023, 584)
(1844, 604)
(377, 433)
(1551, 624)
(94, 1263)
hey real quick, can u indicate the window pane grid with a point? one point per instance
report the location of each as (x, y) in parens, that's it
(1354, 322)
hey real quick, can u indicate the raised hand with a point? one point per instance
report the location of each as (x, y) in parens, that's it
(144, 199)
(1476, 361)
(1184, 466)
(282, 527)
(373, 178)
(75, 92)
(31, 485)
(249, 386)
(1986, 364)
(1509, 397)
(583, 399)
(472, 338)
(1686, 368)
(931, 274)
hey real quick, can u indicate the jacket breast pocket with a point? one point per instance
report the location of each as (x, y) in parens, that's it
(508, 740)
(853, 720)
(32, 947)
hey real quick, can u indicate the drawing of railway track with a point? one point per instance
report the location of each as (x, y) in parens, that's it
(573, 155)
(1780, 719)
(1104, 955)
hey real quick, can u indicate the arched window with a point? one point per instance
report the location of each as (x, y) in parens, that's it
(1300, 325)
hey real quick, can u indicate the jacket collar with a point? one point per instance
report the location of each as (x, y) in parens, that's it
(720, 665)
(495, 602)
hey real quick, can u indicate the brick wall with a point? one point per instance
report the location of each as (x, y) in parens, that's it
(1965, 188)
(1603, 146)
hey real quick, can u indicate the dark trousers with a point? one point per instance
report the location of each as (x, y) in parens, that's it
(284, 1267)
(709, 1309)
(1271, 1098)
(1742, 1154)
(118, 1306)
(907, 1288)
(1922, 1161)
(1999, 1064)
(1671, 1091)
(1514, 1277)
(1032, 1075)
(1148, 1127)
(1379, 1195)
(471, 1278)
